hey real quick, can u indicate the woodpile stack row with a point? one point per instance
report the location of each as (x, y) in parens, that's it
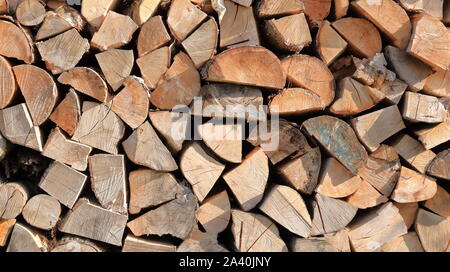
(89, 160)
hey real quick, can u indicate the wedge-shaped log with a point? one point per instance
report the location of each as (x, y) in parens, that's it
(172, 126)
(439, 203)
(317, 10)
(433, 231)
(153, 35)
(433, 8)
(142, 10)
(435, 135)
(366, 196)
(214, 214)
(439, 166)
(330, 45)
(290, 33)
(183, 17)
(154, 65)
(438, 84)
(15, 42)
(8, 85)
(60, 20)
(413, 152)
(26, 239)
(413, 187)
(408, 211)
(407, 243)
(201, 45)
(67, 114)
(116, 65)
(95, 11)
(86, 80)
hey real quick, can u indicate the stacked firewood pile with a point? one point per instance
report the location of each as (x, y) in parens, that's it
(224, 125)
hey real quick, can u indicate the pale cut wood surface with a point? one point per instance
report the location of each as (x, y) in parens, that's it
(75, 244)
(30, 12)
(42, 211)
(439, 166)
(154, 65)
(149, 188)
(214, 213)
(176, 218)
(341, 8)
(108, 181)
(63, 183)
(86, 81)
(407, 243)
(232, 66)
(336, 181)
(6, 227)
(255, 233)
(435, 135)
(389, 17)
(58, 21)
(284, 205)
(373, 71)
(172, 126)
(144, 147)
(143, 10)
(116, 65)
(438, 84)
(23, 132)
(100, 128)
(290, 33)
(408, 211)
(200, 169)
(317, 10)
(295, 101)
(95, 11)
(300, 70)
(366, 196)
(38, 89)
(413, 152)
(339, 139)
(439, 203)
(136, 244)
(25, 239)
(13, 197)
(373, 128)
(201, 242)
(22, 48)
(433, 8)
(248, 180)
(423, 108)
(183, 17)
(201, 45)
(61, 149)
(64, 51)
(153, 35)
(67, 114)
(8, 85)
(433, 231)
(109, 225)
(271, 8)
(330, 45)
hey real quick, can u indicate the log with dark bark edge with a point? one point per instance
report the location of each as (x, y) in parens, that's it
(231, 67)
(67, 114)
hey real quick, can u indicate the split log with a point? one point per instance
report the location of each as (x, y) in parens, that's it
(177, 218)
(366, 196)
(413, 152)
(64, 51)
(407, 243)
(95, 11)
(182, 75)
(63, 183)
(13, 197)
(247, 65)
(172, 126)
(149, 188)
(61, 149)
(255, 233)
(100, 128)
(433, 231)
(303, 71)
(30, 12)
(438, 84)
(413, 187)
(144, 147)
(336, 181)
(25, 239)
(154, 65)
(317, 10)
(393, 90)
(75, 244)
(340, 8)
(382, 169)
(248, 180)
(153, 35)
(439, 166)
(353, 97)
(143, 10)
(42, 211)
(108, 181)
(62, 19)
(200, 169)
(214, 214)
(38, 89)
(434, 135)
(67, 114)
(183, 17)
(286, 207)
(6, 227)
(87, 105)
(397, 29)
(375, 228)
(201, 45)
(338, 138)
(373, 71)
(423, 108)
(302, 172)
(224, 139)
(109, 225)
(135, 244)
(15, 42)
(216, 100)
(23, 132)
(373, 128)
(409, 69)
(133, 102)
(238, 26)
(330, 45)
(290, 33)
(433, 8)
(439, 203)
(8, 85)
(116, 65)
(274, 8)
(201, 242)
(362, 36)
(330, 215)
(430, 41)
(408, 211)
(295, 101)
